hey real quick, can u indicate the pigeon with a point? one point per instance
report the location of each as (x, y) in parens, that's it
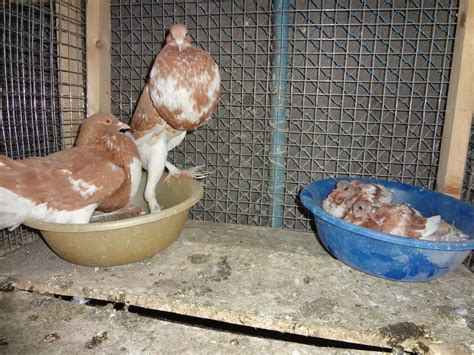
(376, 195)
(399, 219)
(181, 94)
(102, 171)
(341, 199)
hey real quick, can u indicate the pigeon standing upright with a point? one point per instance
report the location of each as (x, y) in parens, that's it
(181, 95)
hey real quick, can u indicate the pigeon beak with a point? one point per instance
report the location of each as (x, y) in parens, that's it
(123, 126)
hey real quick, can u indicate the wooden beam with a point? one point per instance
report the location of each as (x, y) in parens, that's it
(98, 56)
(460, 106)
(71, 63)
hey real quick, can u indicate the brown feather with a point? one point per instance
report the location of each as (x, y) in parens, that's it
(38, 178)
(91, 172)
(184, 65)
(145, 117)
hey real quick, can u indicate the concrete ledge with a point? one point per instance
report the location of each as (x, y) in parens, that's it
(263, 278)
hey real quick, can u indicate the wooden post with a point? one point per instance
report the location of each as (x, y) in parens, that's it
(460, 106)
(98, 56)
(70, 63)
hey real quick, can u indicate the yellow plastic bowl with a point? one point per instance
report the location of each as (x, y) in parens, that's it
(128, 240)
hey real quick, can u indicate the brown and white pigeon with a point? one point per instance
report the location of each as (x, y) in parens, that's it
(400, 219)
(101, 172)
(181, 95)
(337, 203)
(341, 199)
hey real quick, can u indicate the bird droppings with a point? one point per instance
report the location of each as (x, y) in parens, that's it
(33, 317)
(8, 285)
(220, 271)
(234, 342)
(399, 332)
(96, 340)
(321, 307)
(199, 258)
(51, 338)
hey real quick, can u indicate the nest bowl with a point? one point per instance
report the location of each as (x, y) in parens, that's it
(128, 240)
(386, 255)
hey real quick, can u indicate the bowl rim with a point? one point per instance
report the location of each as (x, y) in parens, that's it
(197, 192)
(307, 200)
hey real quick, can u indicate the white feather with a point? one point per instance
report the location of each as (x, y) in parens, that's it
(432, 225)
(85, 189)
(165, 91)
(135, 175)
(80, 300)
(14, 210)
(336, 209)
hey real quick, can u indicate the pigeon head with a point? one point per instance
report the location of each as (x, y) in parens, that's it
(344, 189)
(362, 209)
(98, 128)
(179, 35)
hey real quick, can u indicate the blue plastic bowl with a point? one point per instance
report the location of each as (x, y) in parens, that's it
(385, 255)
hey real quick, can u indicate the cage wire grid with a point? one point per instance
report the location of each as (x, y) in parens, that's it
(367, 88)
(42, 76)
(468, 186)
(367, 84)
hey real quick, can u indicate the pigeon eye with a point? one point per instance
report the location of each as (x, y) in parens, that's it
(108, 121)
(360, 208)
(345, 188)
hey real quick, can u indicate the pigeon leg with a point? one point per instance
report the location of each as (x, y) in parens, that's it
(175, 139)
(156, 166)
(195, 172)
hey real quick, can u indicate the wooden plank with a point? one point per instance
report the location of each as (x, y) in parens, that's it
(269, 279)
(460, 106)
(98, 57)
(32, 324)
(71, 64)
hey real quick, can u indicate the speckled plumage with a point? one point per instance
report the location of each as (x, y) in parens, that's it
(184, 82)
(341, 199)
(182, 93)
(399, 219)
(67, 186)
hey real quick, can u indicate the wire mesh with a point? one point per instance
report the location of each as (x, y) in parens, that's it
(468, 186)
(366, 95)
(234, 146)
(42, 84)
